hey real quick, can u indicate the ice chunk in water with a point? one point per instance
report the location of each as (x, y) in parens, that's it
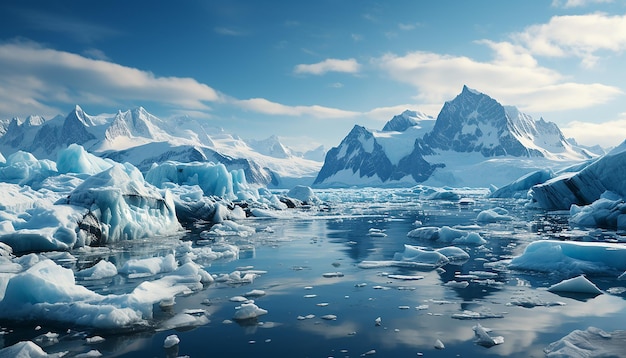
(579, 284)
(171, 341)
(248, 311)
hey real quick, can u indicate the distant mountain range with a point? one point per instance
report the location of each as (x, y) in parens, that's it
(140, 138)
(472, 133)
(474, 141)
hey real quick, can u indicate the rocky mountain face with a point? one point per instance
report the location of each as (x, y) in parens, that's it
(470, 123)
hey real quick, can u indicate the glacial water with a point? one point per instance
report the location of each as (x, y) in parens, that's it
(321, 304)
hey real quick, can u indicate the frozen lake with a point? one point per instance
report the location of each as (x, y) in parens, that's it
(320, 302)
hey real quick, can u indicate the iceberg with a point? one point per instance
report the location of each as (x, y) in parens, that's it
(47, 291)
(579, 284)
(592, 342)
(571, 258)
(585, 186)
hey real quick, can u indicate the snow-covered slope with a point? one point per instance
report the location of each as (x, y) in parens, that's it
(475, 141)
(369, 157)
(140, 138)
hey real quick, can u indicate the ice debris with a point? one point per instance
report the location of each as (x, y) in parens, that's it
(171, 341)
(248, 311)
(579, 284)
(484, 339)
(592, 342)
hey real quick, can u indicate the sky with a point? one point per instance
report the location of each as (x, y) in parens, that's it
(308, 71)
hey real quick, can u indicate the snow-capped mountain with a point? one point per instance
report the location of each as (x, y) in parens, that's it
(367, 157)
(475, 122)
(473, 136)
(405, 120)
(141, 138)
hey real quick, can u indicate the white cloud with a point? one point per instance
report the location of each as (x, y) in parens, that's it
(580, 36)
(513, 77)
(607, 134)
(30, 74)
(577, 3)
(329, 65)
(262, 105)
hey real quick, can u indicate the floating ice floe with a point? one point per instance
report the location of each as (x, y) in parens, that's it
(47, 291)
(484, 339)
(571, 258)
(170, 341)
(248, 311)
(493, 215)
(467, 314)
(592, 342)
(608, 212)
(376, 232)
(446, 234)
(418, 258)
(579, 284)
(103, 269)
(184, 320)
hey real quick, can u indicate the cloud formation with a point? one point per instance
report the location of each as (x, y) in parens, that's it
(577, 3)
(607, 134)
(329, 65)
(262, 105)
(581, 36)
(513, 77)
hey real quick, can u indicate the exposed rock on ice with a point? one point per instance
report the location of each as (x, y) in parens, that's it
(579, 284)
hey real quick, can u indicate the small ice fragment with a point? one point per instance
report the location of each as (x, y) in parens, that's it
(238, 299)
(91, 354)
(94, 339)
(37, 328)
(310, 296)
(404, 307)
(322, 304)
(421, 307)
(308, 287)
(439, 344)
(369, 353)
(309, 316)
(457, 284)
(247, 311)
(254, 293)
(329, 317)
(363, 284)
(251, 342)
(171, 341)
(378, 321)
(484, 339)
(579, 284)
(332, 274)
(406, 277)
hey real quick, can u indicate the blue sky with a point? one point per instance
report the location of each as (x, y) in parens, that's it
(309, 71)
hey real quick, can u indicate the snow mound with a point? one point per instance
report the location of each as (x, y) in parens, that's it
(303, 193)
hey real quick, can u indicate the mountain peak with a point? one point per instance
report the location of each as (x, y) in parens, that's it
(467, 90)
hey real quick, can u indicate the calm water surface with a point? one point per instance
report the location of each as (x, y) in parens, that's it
(297, 254)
